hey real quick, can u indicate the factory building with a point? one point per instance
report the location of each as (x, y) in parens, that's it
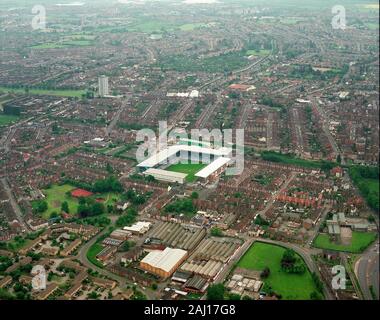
(178, 235)
(163, 263)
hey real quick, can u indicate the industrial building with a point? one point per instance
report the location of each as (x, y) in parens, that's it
(139, 227)
(210, 256)
(163, 263)
(166, 176)
(196, 284)
(178, 235)
(244, 284)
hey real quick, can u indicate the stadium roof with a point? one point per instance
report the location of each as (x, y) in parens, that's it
(172, 150)
(166, 173)
(212, 167)
(166, 259)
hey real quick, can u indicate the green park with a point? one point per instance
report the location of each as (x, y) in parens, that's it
(359, 242)
(290, 286)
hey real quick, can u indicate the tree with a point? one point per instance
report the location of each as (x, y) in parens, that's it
(65, 207)
(318, 283)
(40, 206)
(109, 168)
(194, 195)
(339, 159)
(371, 219)
(260, 221)
(216, 232)
(93, 295)
(216, 292)
(127, 245)
(127, 219)
(234, 296)
(288, 258)
(315, 296)
(265, 273)
(96, 209)
(291, 263)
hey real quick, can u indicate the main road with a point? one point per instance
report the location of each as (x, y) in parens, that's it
(367, 271)
(123, 282)
(14, 204)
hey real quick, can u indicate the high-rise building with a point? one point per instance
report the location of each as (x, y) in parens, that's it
(103, 86)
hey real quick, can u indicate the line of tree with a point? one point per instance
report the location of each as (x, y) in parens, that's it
(128, 218)
(88, 207)
(360, 175)
(290, 263)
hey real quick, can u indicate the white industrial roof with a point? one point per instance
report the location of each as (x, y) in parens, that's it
(138, 226)
(172, 150)
(212, 167)
(166, 259)
(166, 173)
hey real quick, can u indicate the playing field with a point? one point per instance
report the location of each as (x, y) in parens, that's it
(55, 196)
(258, 53)
(92, 252)
(46, 92)
(189, 169)
(194, 26)
(360, 241)
(290, 286)
(109, 198)
(7, 119)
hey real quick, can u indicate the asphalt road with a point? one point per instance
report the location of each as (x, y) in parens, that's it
(82, 257)
(367, 271)
(14, 203)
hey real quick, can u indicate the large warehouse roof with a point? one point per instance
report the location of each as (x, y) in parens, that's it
(160, 156)
(212, 167)
(166, 259)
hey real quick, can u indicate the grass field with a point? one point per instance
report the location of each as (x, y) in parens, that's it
(15, 246)
(194, 26)
(372, 25)
(360, 241)
(92, 252)
(46, 92)
(189, 169)
(290, 286)
(373, 185)
(55, 196)
(258, 53)
(67, 43)
(292, 160)
(7, 119)
(149, 26)
(110, 198)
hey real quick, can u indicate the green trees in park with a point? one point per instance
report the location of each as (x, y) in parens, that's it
(291, 263)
